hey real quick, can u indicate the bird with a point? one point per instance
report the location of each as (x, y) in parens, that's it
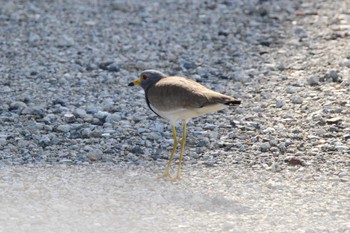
(176, 98)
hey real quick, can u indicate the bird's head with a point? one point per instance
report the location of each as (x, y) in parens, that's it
(148, 78)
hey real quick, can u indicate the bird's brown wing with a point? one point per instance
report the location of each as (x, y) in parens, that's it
(175, 93)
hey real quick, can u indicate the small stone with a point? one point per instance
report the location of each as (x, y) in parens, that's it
(85, 133)
(297, 100)
(280, 103)
(291, 90)
(332, 76)
(33, 37)
(59, 101)
(342, 148)
(209, 126)
(320, 132)
(79, 112)
(50, 118)
(295, 161)
(113, 68)
(101, 115)
(5, 89)
(91, 157)
(282, 146)
(187, 65)
(343, 173)
(113, 118)
(91, 110)
(44, 141)
(204, 143)
(104, 65)
(300, 32)
(96, 134)
(65, 41)
(334, 120)
(17, 105)
(313, 81)
(280, 66)
(345, 63)
(137, 150)
(264, 147)
(3, 141)
(64, 128)
(91, 66)
(69, 117)
(275, 167)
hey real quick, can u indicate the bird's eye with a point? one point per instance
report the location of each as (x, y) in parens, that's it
(144, 77)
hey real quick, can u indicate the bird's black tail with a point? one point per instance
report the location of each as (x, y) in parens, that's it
(233, 102)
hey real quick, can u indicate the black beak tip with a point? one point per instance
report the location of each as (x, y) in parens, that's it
(131, 84)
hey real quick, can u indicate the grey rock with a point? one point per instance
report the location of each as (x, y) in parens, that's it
(204, 143)
(283, 146)
(69, 117)
(101, 115)
(17, 105)
(332, 76)
(44, 141)
(50, 118)
(320, 132)
(264, 147)
(137, 150)
(291, 90)
(65, 41)
(345, 63)
(334, 120)
(297, 100)
(313, 80)
(85, 133)
(5, 89)
(33, 37)
(96, 133)
(113, 118)
(3, 141)
(79, 112)
(280, 103)
(64, 128)
(59, 101)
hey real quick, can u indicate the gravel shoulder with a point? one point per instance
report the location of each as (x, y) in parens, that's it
(79, 147)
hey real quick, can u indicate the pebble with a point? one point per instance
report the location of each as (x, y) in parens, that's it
(64, 128)
(3, 141)
(17, 105)
(79, 112)
(321, 132)
(113, 118)
(345, 63)
(280, 103)
(297, 100)
(334, 120)
(69, 117)
(313, 81)
(264, 147)
(291, 90)
(101, 115)
(333, 76)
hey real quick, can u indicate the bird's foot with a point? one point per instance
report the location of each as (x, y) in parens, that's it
(167, 175)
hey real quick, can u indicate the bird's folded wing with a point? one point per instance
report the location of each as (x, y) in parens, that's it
(175, 93)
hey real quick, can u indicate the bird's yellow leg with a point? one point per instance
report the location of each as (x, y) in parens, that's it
(167, 170)
(183, 142)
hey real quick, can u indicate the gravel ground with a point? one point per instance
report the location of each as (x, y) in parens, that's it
(278, 163)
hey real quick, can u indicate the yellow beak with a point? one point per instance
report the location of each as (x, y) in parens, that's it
(137, 82)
